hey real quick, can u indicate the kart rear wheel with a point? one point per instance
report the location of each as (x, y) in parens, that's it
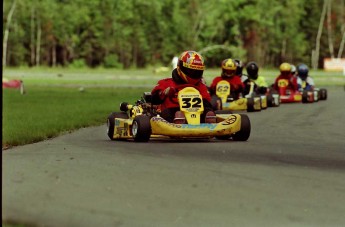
(250, 105)
(244, 132)
(111, 122)
(270, 100)
(141, 128)
(323, 94)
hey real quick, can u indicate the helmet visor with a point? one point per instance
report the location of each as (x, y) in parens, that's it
(229, 72)
(192, 73)
(285, 73)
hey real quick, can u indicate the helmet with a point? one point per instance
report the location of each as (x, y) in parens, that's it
(252, 70)
(190, 67)
(228, 67)
(239, 65)
(302, 71)
(293, 69)
(285, 69)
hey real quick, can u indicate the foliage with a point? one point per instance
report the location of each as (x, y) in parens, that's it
(139, 33)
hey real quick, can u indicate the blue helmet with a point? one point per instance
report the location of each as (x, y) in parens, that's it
(302, 71)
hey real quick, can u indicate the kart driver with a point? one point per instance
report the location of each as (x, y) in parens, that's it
(229, 67)
(293, 70)
(260, 85)
(285, 74)
(189, 72)
(239, 70)
(304, 81)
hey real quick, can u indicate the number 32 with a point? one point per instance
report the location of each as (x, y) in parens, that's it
(189, 102)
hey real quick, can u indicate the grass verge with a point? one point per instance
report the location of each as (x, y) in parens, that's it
(45, 112)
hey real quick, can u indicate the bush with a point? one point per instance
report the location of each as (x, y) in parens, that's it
(79, 63)
(112, 61)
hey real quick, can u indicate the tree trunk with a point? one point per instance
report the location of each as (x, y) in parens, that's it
(6, 34)
(342, 43)
(54, 54)
(38, 42)
(283, 51)
(329, 29)
(341, 48)
(315, 55)
(32, 37)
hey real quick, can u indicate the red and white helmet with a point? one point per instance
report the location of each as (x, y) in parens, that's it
(190, 67)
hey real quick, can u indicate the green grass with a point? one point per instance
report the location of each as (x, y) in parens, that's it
(53, 103)
(134, 77)
(46, 112)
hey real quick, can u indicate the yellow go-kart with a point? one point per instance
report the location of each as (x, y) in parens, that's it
(141, 121)
(223, 101)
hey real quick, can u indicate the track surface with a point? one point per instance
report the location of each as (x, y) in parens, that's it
(291, 172)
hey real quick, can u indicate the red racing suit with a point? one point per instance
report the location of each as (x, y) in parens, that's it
(236, 85)
(292, 82)
(171, 103)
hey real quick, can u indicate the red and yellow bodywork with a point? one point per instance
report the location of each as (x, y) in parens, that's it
(223, 91)
(192, 106)
(287, 95)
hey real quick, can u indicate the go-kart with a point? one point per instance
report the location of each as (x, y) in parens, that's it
(16, 84)
(222, 100)
(286, 94)
(310, 94)
(303, 95)
(142, 121)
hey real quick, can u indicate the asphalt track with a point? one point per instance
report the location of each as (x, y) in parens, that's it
(291, 172)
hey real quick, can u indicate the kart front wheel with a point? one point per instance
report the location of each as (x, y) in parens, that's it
(244, 132)
(111, 122)
(323, 94)
(141, 128)
(305, 97)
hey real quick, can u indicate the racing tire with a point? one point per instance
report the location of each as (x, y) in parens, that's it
(270, 101)
(111, 122)
(141, 128)
(250, 105)
(305, 97)
(244, 132)
(323, 94)
(216, 103)
(124, 106)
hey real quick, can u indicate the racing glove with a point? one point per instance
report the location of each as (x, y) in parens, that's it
(167, 92)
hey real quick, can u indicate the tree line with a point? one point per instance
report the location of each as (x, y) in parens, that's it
(141, 33)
